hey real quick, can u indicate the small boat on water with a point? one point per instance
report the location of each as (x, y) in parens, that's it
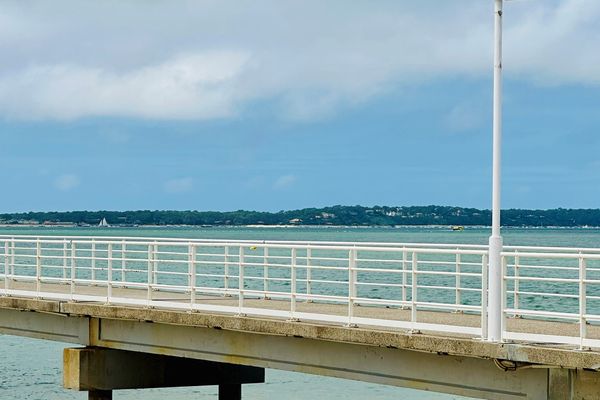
(103, 223)
(458, 228)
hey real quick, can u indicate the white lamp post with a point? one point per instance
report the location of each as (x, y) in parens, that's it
(495, 260)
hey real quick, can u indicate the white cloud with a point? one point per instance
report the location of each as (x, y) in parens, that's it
(192, 86)
(202, 60)
(179, 185)
(284, 181)
(66, 182)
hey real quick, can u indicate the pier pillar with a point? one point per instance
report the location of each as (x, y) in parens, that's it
(100, 395)
(100, 371)
(573, 384)
(230, 392)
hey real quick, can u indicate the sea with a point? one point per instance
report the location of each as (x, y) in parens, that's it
(32, 369)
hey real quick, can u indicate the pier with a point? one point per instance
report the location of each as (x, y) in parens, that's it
(404, 314)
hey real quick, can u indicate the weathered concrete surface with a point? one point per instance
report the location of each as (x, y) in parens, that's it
(543, 354)
(107, 369)
(561, 356)
(467, 376)
(573, 384)
(42, 324)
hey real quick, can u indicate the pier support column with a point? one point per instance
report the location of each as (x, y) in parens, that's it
(100, 371)
(100, 395)
(230, 392)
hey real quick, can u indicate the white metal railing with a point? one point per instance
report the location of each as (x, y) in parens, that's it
(560, 285)
(434, 287)
(376, 285)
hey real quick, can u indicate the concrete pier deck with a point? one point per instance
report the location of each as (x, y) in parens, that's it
(449, 363)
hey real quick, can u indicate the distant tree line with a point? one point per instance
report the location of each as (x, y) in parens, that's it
(335, 215)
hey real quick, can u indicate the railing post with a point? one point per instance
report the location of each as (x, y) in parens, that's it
(192, 273)
(413, 299)
(266, 272)
(504, 299)
(308, 273)
(516, 284)
(226, 272)
(582, 302)
(458, 299)
(351, 286)
(404, 276)
(73, 268)
(150, 275)
(38, 268)
(109, 278)
(93, 262)
(123, 262)
(241, 281)
(65, 262)
(12, 258)
(484, 296)
(6, 267)
(293, 288)
(155, 263)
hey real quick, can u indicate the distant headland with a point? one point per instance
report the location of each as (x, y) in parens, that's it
(333, 216)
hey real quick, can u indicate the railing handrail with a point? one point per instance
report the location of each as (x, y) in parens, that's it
(252, 241)
(346, 244)
(235, 243)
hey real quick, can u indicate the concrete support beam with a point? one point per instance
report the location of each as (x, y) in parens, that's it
(48, 325)
(572, 384)
(465, 376)
(99, 369)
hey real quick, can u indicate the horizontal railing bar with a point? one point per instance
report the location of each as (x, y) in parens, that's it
(540, 279)
(376, 260)
(399, 285)
(548, 267)
(380, 247)
(566, 295)
(513, 248)
(446, 273)
(554, 255)
(540, 313)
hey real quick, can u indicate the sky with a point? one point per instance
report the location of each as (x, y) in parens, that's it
(271, 105)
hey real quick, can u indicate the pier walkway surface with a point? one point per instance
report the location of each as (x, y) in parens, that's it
(411, 315)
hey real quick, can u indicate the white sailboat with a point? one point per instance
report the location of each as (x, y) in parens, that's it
(103, 223)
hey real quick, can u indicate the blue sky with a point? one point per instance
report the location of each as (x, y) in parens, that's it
(271, 105)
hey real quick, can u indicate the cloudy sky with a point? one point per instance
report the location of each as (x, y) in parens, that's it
(274, 105)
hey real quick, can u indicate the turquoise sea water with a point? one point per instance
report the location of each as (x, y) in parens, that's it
(31, 369)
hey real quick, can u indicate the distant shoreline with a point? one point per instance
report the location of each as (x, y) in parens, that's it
(254, 226)
(334, 216)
